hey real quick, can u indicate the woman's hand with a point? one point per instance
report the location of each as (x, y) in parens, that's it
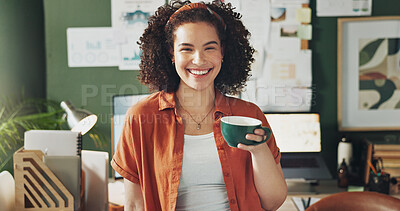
(272, 191)
(258, 136)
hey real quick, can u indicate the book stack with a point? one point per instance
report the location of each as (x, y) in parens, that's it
(389, 153)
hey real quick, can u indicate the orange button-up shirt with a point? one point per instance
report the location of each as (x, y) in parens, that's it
(150, 151)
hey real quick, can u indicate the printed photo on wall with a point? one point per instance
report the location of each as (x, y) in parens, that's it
(369, 73)
(379, 72)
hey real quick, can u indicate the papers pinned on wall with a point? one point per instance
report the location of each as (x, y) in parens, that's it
(256, 18)
(288, 69)
(286, 85)
(303, 15)
(280, 98)
(129, 19)
(92, 47)
(283, 77)
(326, 8)
(116, 45)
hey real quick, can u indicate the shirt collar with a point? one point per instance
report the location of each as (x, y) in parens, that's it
(222, 107)
(166, 100)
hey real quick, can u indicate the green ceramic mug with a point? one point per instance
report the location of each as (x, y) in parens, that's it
(235, 128)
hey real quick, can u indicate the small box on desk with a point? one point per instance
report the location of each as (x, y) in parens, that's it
(36, 186)
(379, 183)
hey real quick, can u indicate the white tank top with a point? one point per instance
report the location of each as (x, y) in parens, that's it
(202, 185)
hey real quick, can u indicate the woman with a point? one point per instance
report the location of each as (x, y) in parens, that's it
(171, 152)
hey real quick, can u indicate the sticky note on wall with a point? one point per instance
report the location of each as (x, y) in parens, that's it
(303, 15)
(304, 32)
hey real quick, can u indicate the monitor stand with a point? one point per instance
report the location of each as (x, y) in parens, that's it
(301, 186)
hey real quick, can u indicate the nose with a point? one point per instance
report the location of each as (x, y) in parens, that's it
(198, 58)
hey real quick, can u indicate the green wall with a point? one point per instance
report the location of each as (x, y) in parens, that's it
(324, 46)
(22, 59)
(92, 88)
(88, 88)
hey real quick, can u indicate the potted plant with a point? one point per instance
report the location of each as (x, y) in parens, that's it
(18, 116)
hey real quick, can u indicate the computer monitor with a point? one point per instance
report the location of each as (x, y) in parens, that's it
(298, 135)
(296, 132)
(120, 105)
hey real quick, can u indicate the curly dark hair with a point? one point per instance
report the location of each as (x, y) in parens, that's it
(156, 68)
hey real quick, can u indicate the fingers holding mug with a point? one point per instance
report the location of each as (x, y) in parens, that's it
(258, 136)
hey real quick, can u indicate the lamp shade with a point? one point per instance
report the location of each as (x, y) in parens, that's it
(79, 120)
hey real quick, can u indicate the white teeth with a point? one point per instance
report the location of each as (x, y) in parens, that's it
(199, 72)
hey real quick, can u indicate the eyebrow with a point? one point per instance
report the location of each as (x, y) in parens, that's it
(208, 43)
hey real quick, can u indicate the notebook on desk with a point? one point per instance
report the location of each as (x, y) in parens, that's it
(298, 135)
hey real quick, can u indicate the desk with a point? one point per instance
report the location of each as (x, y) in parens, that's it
(325, 188)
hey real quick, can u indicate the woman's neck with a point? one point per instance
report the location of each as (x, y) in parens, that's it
(195, 101)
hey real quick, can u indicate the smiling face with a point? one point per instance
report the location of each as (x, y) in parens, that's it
(197, 55)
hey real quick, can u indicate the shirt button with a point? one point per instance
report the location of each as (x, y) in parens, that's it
(232, 201)
(220, 148)
(227, 174)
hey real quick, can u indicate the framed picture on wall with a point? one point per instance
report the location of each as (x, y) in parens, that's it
(369, 73)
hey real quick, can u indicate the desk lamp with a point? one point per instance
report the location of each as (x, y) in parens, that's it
(79, 120)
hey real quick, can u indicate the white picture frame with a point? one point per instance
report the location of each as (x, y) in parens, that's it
(353, 113)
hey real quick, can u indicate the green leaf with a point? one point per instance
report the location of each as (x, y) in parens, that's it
(20, 115)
